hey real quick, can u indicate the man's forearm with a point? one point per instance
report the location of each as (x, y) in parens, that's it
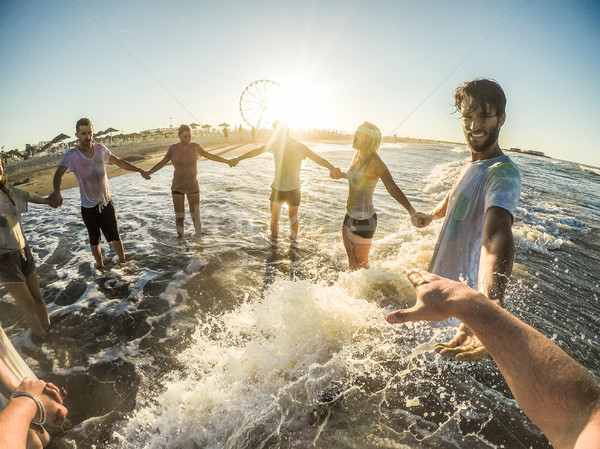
(439, 211)
(324, 163)
(128, 166)
(559, 402)
(495, 266)
(56, 183)
(497, 253)
(252, 153)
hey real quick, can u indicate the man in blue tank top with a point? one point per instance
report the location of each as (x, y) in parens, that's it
(476, 243)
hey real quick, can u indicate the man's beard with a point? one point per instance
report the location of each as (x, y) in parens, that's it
(487, 143)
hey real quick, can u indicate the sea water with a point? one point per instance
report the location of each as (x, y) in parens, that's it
(230, 342)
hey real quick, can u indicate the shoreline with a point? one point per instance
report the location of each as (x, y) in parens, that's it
(35, 175)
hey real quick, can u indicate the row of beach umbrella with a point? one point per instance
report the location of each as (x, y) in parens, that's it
(111, 130)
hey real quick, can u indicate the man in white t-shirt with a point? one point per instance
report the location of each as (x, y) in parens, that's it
(476, 243)
(288, 155)
(88, 162)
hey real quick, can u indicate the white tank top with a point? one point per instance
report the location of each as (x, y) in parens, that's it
(360, 194)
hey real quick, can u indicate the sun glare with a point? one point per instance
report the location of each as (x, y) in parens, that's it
(303, 105)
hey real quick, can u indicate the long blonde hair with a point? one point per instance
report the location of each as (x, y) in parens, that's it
(370, 144)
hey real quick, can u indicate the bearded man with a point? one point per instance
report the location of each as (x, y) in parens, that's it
(476, 243)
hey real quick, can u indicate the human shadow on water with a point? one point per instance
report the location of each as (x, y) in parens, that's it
(289, 264)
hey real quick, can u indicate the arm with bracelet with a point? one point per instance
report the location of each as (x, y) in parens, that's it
(32, 401)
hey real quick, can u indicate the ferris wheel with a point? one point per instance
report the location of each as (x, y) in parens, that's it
(259, 102)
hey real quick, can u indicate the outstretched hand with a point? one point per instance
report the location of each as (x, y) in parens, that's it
(437, 300)
(434, 296)
(464, 346)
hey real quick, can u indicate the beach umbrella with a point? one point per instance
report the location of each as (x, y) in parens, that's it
(194, 125)
(206, 127)
(225, 130)
(99, 134)
(109, 131)
(57, 139)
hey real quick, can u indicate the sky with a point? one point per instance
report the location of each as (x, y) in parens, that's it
(140, 64)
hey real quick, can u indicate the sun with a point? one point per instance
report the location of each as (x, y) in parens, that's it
(303, 105)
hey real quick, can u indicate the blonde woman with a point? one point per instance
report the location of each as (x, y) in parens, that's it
(184, 156)
(365, 170)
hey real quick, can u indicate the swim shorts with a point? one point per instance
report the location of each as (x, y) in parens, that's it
(362, 228)
(104, 220)
(292, 197)
(15, 266)
(177, 192)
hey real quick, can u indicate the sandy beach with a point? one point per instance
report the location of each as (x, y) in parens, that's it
(35, 175)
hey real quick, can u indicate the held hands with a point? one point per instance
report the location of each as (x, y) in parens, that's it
(336, 173)
(55, 200)
(51, 397)
(421, 219)
(145, 174)
(56, 393)
(438, 299)
(233, 161)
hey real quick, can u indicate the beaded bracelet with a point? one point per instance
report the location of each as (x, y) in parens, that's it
(38, 403)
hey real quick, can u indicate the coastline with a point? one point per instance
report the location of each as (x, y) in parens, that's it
(35, 175)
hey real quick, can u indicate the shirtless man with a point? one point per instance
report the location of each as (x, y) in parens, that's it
(288, 155)
(184, 157)
(476, 242)
(88, 162)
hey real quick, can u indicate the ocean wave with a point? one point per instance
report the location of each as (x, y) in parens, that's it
(441, 179)
(531, 238)
(258, 365)
(551, 218)
(587, 169)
